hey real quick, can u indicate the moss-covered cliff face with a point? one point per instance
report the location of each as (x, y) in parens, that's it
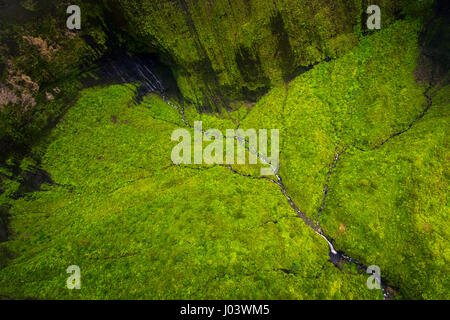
(40, 65)
(219, 51)
(225, 50)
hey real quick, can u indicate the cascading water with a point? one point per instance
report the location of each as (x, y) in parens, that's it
(132, 69)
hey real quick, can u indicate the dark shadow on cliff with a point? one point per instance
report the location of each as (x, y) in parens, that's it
(434, 61)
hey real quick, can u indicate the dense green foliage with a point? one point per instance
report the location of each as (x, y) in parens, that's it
(140, 226)
(395, 199)
(374, 95)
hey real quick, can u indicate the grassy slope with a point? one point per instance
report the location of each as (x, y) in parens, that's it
(389, 206)
(374, 95)
(140, 228)
(356, 101)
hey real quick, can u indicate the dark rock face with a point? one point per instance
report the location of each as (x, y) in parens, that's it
(335, 259)
(4, 215)
(32, 181)
(435, 41)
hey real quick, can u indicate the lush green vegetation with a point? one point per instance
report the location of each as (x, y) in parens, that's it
(374, 95)
(394, 199)
(140, 226)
